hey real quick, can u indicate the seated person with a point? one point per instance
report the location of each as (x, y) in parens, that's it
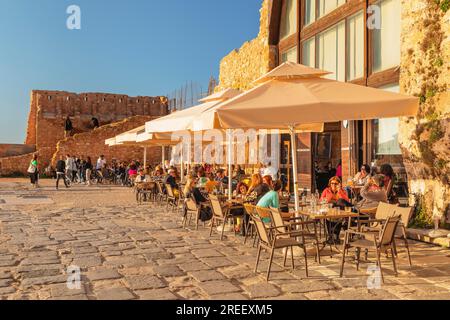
(171, 179)
(272, 200)
(335, 195)
(201, 178)
(361, 177)
(141, 177)
(221, 177)
(238, 173)
(373, 193)
(191, 189)
(257, 189)
(241, 191)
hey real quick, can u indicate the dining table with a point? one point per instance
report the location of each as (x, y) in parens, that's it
(323, 217)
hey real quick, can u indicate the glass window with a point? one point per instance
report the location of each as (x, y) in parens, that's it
(291, 55)
(355, 46)
(326, 6)
(309, 52)
(289, 18)
(386, 40)
(331, 51)
(386, 131)
(310, 11)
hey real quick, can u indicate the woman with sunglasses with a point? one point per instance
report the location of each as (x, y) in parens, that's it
(337, 196)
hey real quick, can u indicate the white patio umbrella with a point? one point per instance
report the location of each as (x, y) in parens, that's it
(293, 95)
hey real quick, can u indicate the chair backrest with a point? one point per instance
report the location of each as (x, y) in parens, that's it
(385, 210)
(191, 205)
(277, 220)
(250, 209)
(263, 212)
(261, 229)
(405, 213)
(169, 191)
(215, 206)
(159, 186)
(387, 233)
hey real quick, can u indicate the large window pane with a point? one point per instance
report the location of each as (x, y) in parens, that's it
(355, 46)
(326, 6)
(288, 18)
(331, 51)
(386, 131)
(309, 52)
(290, 56)
(310, 11)
(386, 41)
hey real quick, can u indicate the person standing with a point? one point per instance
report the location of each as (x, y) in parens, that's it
(68, 127)
(61, 172)
(95, 123)
(33, 171)
(89, 168)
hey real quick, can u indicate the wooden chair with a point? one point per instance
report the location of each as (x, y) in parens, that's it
(382, 242)
(172, 200)
(250, 228)
(220, 214)
(296, 227)
(270, 239)
(192, 209)
(161, 195)
(385, 211)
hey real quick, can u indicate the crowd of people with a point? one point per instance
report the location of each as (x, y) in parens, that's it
(264, 188)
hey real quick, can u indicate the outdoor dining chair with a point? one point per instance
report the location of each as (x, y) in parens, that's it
(192, 210)
(270, 239)
(161, 196)
(172, 201)
(250, 229)
(382, 242)
(385, 211)
(220, 214)
(297, 228)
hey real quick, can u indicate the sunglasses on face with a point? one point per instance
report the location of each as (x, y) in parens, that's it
(334, 184)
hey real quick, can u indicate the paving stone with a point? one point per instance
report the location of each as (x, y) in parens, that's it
(103, 274)
(87, 262)
(206, 275)
(229, 296)
(62, 290)
(218, 262)
(307, 286)
(43, 280)
(168, 271)
(206, 253)
(115, 294)
(218, 287)
(156, 294)
(264, 290)
(142, 282)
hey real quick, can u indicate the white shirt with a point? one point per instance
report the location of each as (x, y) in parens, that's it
(271, 171)
(100, 163)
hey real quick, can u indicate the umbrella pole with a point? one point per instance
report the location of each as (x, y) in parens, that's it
(163, 156)
(145, 157)
(182, 164)
(294, 167)
(230, 193)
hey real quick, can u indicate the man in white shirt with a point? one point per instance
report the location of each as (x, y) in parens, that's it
(101, 162)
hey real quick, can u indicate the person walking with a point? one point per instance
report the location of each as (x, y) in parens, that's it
(68, 127)
(88, 167)
(61, 172)
(33, 171)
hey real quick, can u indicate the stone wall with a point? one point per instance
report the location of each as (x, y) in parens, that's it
(16, 165)
(50, 108)
(255, 58)
(92, 143)
(12, 150)
(425, 72)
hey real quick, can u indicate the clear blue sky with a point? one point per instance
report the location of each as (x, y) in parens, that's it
(134, 47)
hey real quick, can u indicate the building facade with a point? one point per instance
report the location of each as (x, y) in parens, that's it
(396, 45)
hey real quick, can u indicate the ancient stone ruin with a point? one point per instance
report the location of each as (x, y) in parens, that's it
(45, 132)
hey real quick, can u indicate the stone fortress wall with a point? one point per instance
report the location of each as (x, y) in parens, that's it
(48, 110)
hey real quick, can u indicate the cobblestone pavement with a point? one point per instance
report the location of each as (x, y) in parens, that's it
(127, 251)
